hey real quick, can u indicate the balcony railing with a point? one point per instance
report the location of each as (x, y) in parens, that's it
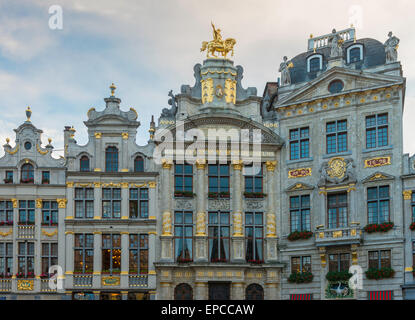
(84, 280)
(323, 41)
(138, 281)
(44, 286)
(26, 231)
(5, 285)
(346, 235)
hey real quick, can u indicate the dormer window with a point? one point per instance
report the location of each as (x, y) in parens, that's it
(139, 164)
(354, 53)
(28, 174)
(84, 163)
(314, 63)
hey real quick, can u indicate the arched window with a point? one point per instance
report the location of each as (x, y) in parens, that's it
(354, 53)
(28, 173)
(314, 63)
(139, 164)
(254, 292)
(111, 159)
(183, 292)
(84, 163)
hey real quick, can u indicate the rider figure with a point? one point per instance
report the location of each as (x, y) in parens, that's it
(217, 38)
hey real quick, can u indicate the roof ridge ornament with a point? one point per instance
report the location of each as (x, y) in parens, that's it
(112, 88)
(28, 114)
(218, 45)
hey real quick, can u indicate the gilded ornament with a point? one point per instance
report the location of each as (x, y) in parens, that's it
(336, 168)
(25, 285)
(219, 91)
(297, 173)
(201, 224)
(218, 45)
(271, 165)
(237, 164)
(201, 164)
(124, 135)
(98, 135)
(5, 234)
(38, 203)
(12, 152)
(62, 203)
(377, 162)
(151, 184)
(230, 91)
(207, 90)
(166, 229)
(237, 224)
(40, 150)
(49, 234)
(166, 163)
(271, 226)
(407, 194)
(14, 200)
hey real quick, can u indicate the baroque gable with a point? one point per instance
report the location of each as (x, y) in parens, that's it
(378, 176)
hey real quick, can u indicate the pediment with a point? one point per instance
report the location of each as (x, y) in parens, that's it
(299, 187)
(378, 176)
(353, 80)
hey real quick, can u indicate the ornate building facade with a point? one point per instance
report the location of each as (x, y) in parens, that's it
(312, 181)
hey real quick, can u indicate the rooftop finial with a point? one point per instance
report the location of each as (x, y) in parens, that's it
(28, 113)
(112, 88)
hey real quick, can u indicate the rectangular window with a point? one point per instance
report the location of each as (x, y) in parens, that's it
(253, 178)
(183, 236)
(111, 253)
(138, 254)
(9, 177)
(49, 256)
(26, 212)
(299, 143)
(6, 213)
(336, 136)
(139, 203)
(183, 177)
(254, 237)
(111, 203)
(219, 236)
(378, 204)
(337, 210)
(84, 253)
(339, 262)
(49, 213)
(300, 213)
(301, 264)
(6, 259)
(84, 203)
(379, 259)
(45, 177)
(25, 259)
(218, 178)
(377, 131)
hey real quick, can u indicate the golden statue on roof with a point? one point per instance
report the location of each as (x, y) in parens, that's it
(218, 45)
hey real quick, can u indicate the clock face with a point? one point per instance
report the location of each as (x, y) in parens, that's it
(27, 145)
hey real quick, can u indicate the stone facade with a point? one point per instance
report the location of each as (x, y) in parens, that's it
(330, 181)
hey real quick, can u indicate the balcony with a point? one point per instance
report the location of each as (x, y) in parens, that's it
(338, 236)
(26, 231)
(44, 286)
(5, 285)
(137, 281)
(82, 280)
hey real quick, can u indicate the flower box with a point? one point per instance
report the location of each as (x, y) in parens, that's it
(297, 235)
(218, 260)
(216, 195)
(8, 180)
(382, 273)
(255, 261)
(23, 275)
(5, 275)
(335, 276)
(379, 227)
(412, 226)
(46, 181)
(184, 260)
(26, 223)
(82, 272)
(185, 194)
(254, 195)
(30, 180)
(300, 277)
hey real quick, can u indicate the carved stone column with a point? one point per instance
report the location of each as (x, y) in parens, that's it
(97, 201)
(167, 226)
(237, 219)
(125, 259)
(124, 201)
(200, 238)
(271, 227)
(97, 259)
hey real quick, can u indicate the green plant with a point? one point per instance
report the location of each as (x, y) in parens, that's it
(297, 235)
(300, 277)
(379, 227)
(382, 273)
(335, 276)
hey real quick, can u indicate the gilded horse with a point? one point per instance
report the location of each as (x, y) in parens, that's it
(223, 48)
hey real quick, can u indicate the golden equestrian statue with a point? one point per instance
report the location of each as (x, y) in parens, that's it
(218, 45)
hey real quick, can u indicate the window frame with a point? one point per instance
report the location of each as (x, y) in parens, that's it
(379, 259)
(53, 209)
(6, 212)
(336, 133)
(254, 178)
(84, 164)
(84, 201)
(299, 140)
(320, 57)
(337, 206)
(378, 200)
(219, 238)
(302, 211)
(25, 257)
(113, 249)
(29, 211)
(139, 249)
(27, 173)
(339, 261)
(49, 256)
(376, 129)
(111, 159)
(183, 239)
(254, 237)
(7, 258)
(112, 200)
(139, 160)
(183, 175)
(84, 248)
(138, 203)
(302, 264)
(219, 176)
(350, 48)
